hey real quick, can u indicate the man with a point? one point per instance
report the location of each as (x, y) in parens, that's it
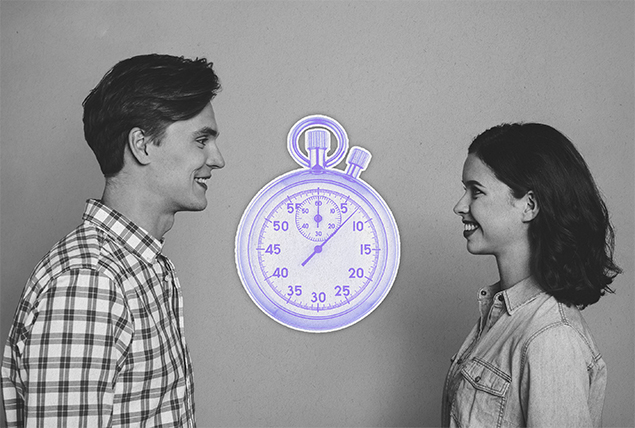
(97, 338)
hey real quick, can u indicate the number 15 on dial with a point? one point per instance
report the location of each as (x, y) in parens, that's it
(317, 249)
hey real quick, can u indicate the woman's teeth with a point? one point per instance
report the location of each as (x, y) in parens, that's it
(468, 227)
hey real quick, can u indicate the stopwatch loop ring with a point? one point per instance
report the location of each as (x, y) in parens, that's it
(313, 121)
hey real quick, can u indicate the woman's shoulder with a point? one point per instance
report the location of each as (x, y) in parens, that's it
(556, 328)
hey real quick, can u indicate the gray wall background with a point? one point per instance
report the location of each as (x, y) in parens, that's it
(413, 82)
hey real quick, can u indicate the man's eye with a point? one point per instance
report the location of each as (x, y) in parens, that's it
(202, 141)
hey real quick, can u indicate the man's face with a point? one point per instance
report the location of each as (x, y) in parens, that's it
(183, 162)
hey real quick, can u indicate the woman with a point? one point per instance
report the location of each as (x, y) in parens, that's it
(531, 202)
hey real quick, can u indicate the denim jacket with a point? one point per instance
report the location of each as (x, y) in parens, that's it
(529, 361)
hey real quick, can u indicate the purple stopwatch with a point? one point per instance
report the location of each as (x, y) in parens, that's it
(317, 249)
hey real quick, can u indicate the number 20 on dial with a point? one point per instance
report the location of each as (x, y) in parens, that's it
(317, 249)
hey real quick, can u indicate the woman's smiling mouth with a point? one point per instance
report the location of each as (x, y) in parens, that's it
(469, 227)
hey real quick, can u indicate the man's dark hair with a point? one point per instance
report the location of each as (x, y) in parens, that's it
(149, 92)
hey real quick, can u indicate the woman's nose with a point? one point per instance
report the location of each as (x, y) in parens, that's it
(461, 206)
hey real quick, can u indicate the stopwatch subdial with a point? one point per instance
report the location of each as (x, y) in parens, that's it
(317, 218)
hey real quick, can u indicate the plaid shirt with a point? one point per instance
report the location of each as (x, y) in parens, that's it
(97, 338)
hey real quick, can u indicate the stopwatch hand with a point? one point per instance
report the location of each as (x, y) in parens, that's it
(318, 217)
(318, 248)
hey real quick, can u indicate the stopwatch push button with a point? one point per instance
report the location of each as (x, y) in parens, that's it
(358, 160)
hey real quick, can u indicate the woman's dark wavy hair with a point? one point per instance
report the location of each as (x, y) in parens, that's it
(145, 91)
(571, 238)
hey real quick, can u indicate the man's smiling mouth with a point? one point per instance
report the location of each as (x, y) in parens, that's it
(202, 181)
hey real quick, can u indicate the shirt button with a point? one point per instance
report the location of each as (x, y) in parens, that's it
(483, 293)
(477, 379)
(501, 298)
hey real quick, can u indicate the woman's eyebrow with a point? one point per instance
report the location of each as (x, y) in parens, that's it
(472, 183)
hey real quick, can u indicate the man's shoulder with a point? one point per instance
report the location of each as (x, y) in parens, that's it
(86, 247)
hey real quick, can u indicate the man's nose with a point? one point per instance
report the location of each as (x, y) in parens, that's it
(214, 157)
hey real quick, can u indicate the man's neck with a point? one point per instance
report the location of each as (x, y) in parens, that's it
(137, 207)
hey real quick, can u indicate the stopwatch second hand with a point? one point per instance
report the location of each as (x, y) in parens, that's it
(318, 248)
(318, 217)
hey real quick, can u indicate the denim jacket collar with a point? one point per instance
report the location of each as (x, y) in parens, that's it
(514, 297)
(520, 294)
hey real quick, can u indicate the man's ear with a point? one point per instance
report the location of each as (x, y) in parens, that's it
(531, 207)
(138, 144)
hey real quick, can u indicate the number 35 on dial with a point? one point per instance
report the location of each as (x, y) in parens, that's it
(317, 249)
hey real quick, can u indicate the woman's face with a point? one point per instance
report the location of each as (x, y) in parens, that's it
(493, 219)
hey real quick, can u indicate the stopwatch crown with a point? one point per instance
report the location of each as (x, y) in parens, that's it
(318, 142)
(317, 139)
(358, 160)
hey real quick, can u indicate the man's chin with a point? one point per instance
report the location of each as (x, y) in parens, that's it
(196, 206)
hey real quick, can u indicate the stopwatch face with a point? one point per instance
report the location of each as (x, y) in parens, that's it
(317, 252)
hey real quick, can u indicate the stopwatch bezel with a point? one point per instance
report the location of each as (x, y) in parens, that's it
(272, 192)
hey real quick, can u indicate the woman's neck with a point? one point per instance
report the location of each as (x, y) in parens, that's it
(513, 269)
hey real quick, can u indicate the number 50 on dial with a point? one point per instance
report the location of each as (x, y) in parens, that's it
(317, 249)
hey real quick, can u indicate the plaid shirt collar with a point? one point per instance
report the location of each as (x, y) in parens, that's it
(129, 234)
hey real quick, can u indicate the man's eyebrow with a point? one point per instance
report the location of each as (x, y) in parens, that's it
(206, 131)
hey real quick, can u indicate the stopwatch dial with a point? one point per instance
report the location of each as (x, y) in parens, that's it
(320, 278)
(317, 218)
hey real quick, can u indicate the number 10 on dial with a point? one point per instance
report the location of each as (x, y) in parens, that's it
(317, 249)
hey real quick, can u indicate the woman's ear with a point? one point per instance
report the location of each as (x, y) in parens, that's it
(138, 145)
(531, 207)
